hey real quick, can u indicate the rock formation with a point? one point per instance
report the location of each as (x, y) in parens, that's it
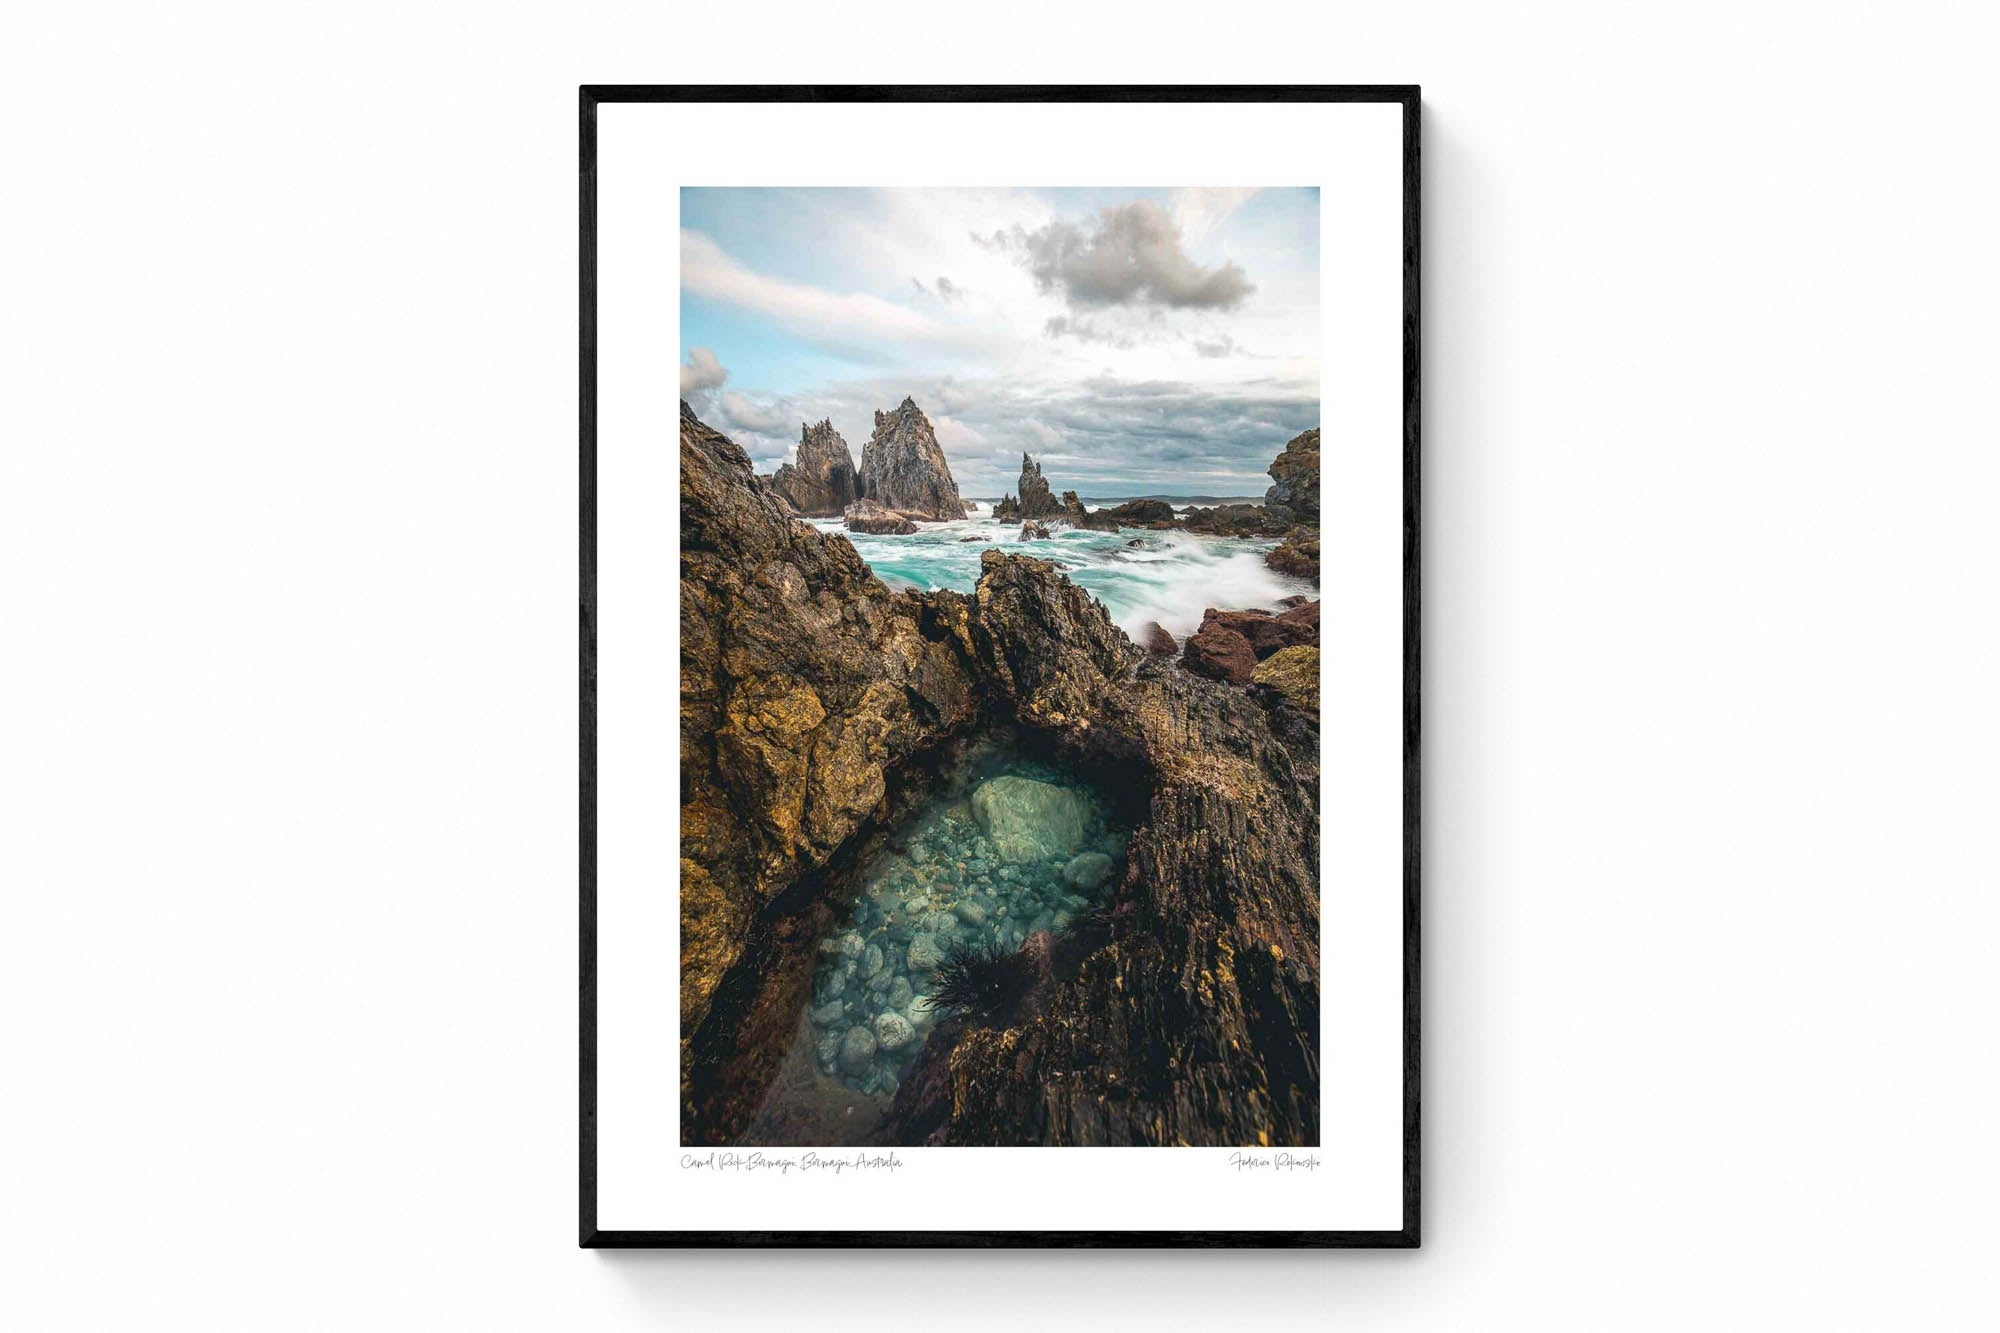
(1035, 501)
(1073, 513)
(821, 481)
(1230, 644)
(1237, 520)
(1292, 673)
(903, 468)
(1295, 480)
(1142, 514)
(815, 705)
(804, 681)
(1033, 531)
(1297, 555)
(868, 516)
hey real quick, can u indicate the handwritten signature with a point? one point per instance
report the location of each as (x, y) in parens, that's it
(804, 1164)
(1284, 1161)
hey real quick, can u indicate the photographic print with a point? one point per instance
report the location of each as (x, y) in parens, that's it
(1029, 555)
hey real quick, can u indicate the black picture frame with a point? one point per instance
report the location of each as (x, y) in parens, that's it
(591, 96)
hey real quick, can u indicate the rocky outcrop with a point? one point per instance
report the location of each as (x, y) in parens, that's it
(1237, 520)
(1035, 501)
(868, 516)
(1293, 674)
(821, 481)
(1073, 513)
(1034, 532)
(1297, 555)
(804, 683)
(1142, 514)
(903, 467)
(1192, 1015)
(1265, 632)
(815, 702)
(1154, 638)
(1294, 473)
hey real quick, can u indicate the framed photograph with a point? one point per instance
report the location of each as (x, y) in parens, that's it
(1000, 713)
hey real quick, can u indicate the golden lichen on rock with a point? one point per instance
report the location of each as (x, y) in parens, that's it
(1294, 673)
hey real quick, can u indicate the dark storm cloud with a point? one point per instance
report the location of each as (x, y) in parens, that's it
(1130, 255)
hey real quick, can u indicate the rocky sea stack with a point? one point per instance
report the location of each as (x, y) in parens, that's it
(1036, 500)
(818, 706)
(903, 468)
(821, 481)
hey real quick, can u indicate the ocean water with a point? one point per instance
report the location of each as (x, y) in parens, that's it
(1139, 575)
(1009, 845)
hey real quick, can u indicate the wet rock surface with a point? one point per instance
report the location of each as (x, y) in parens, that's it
(1220, 653)
(819, 710)
(1154, 638)
(903, 468)
(1297, 555)
(869, 516)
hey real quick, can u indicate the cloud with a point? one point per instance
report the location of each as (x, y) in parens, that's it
(947, 289)
(1101, 436)
(742, 412)
(841, 317)
(1223, 345)
(1200, 211)
(1088, 331)
(701, 372)
(1130, 256)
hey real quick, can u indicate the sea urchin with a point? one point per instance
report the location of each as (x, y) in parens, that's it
(980, 983)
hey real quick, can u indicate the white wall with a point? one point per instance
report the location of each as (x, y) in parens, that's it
(286, 811)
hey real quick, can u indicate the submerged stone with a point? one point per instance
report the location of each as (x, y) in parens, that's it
(893, 1032)
(1088, 870)
(925, 954)
(857, 1048)
(1029, 820)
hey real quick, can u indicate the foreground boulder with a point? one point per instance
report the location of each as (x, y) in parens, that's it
(815, 703)
(868, 516)
(1219, 652)
(903, 468)
(1265, 632)
(821, 481)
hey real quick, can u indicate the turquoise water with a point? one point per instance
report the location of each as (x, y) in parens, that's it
(1139, 575)
(1009, 846)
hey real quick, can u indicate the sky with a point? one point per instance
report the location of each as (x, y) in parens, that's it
(1132, 340)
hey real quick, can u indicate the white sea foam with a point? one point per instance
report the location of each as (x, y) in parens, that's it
(1169, 577)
